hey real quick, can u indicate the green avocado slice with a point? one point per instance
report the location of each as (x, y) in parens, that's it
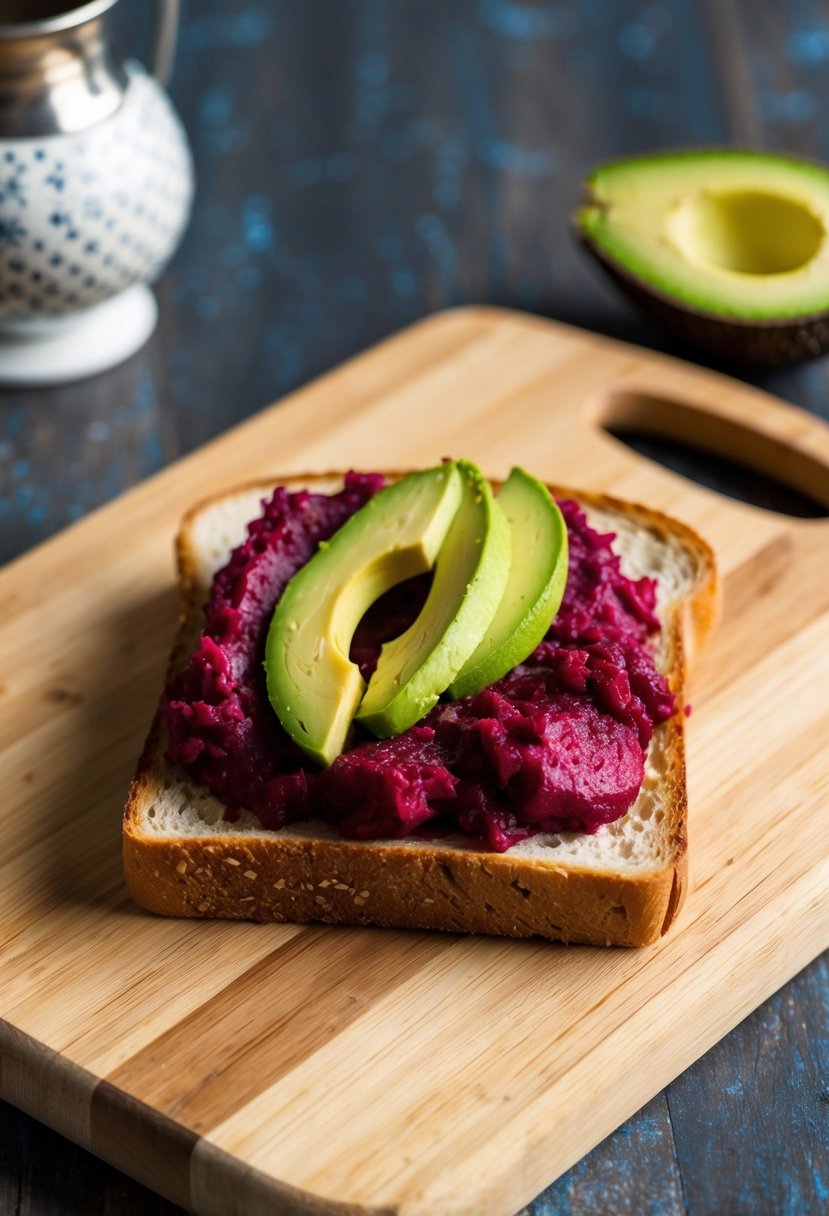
(312, 685)
(738, 235)
(538, 575)
(470, 576)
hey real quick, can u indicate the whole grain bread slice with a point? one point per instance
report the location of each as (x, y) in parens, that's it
(621, 886)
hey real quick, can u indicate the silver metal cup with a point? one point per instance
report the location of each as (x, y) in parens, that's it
(96, 184)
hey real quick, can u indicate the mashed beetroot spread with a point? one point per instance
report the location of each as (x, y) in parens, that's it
(556, 745)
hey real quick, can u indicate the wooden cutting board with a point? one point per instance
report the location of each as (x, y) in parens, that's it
(243, 1069)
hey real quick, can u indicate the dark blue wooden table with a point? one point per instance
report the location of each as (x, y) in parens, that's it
(361, 163)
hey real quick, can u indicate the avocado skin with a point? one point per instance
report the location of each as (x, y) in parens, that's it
(761, 342)
(765, 343)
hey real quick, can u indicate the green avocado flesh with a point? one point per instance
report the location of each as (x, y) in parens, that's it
(734, 234)
(534, 590)
(312, 685)
(470, 577)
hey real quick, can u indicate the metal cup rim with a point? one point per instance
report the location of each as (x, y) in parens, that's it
(69, 20)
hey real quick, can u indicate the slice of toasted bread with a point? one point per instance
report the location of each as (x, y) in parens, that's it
(621, 886)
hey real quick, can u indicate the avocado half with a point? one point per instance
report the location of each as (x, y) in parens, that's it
(727, 250)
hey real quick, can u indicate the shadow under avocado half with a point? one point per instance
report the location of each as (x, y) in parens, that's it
(725, 250)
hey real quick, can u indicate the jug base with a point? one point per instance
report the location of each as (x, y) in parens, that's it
(56, 350)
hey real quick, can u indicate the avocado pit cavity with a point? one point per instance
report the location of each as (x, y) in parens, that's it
(725, 249)
(746, 232)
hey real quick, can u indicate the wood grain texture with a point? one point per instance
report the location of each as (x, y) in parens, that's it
(369, 1071)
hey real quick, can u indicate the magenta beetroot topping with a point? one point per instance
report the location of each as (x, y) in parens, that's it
(219, 722)
(557, 745)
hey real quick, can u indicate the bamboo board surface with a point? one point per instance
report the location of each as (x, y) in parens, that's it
(241, 1068)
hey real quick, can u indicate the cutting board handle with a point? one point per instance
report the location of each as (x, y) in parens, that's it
(750, 428)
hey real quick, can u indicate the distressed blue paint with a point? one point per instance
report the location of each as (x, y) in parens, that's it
(424, 131)
(429, 227)
(246, 30)
(397, 147)
(216, 106)
(373, 70)
(151, 457)
(446, 195)
(794, 106)
(499, 244)
(372, 21)
(215, 111)
(400, 96)
(194, 284)
(233, 138)
(528, 23)
(636, 41)
(373, 93)
(257, 226)
(251, 28)
(529, 292)
(389, 248)
(808, 47)
(611, 1187)
(145, 396)
(249, 278)
(432, 231)
(207, 308)
(370, 110)
(450, 163)
(289, 368)
(821, 1189)
(340, 166)
(306, 172)
(645, 102)
(23, 495)
(811, 380)
(354, 288)
(648, 1128)
(234, 255)
(521, 162)
(403, 282)
(276, 336)
(694, 67)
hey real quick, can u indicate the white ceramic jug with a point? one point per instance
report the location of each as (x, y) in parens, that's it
(96, 182)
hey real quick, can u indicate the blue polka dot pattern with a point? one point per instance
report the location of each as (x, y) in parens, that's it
(84, 216)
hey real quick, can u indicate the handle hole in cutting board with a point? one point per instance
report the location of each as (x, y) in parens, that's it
(718, 453)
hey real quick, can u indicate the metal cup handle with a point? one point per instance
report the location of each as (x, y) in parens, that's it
(166, 32)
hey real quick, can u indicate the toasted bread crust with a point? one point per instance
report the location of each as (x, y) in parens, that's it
(340, 882)
(298, 877)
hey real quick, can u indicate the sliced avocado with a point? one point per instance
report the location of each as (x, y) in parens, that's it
(726, 248)
(312, 684)
(538, 575)
(470, 576)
